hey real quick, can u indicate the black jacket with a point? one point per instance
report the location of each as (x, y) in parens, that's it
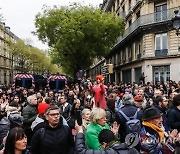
(174, 118)
(67, 111)
(57, 140)
(115, 149)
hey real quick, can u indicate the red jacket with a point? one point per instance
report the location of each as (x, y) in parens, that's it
(99, 92)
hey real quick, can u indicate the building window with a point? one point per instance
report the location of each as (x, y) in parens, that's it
(126, 76)
(161, 12)
(5, 78)
(123, 8)
(161, 41)
(130, 52)
(130, 22)
(129, 4)
(4, 62)
(137, 14)
(117, 3)
(161, 74)
(138, 49)
(161, 44)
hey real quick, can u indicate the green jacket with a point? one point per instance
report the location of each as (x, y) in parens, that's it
(91, 136)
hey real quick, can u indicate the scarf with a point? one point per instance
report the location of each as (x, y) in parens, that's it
(156, 128)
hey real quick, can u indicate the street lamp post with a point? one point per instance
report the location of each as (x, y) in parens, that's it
(176, 24)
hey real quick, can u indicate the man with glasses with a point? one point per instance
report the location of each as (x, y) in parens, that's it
(161, 103)
(55, 138)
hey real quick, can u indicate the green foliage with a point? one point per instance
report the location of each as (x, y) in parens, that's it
(77, 34)
(31, 58)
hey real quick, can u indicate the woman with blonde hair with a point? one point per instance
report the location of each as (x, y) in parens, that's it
(98, 123)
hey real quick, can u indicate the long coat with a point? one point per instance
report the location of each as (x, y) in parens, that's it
(99, 92)
(92, 133)
(29, 114)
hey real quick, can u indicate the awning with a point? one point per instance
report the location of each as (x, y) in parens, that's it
(54, 77)
(26, 76)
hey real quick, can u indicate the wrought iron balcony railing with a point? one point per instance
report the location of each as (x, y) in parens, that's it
(130, 59)
(149, 19)
(139, 56)
(161, 53)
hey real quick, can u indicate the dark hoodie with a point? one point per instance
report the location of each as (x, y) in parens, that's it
(114, 148)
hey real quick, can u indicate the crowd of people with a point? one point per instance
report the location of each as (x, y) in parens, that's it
(91, 117)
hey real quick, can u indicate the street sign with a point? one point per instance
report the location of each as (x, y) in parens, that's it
(104, 70)
(107, 69)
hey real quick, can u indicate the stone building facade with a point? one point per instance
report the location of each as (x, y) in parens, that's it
(149, 43)
(7, 61)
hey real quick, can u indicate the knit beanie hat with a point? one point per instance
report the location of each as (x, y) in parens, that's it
(42, 108)
(138, 98)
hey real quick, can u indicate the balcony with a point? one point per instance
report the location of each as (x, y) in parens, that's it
(138, 2)
(161, 53)
(130, 11)
(130, 59)
(147, 20)
(138, 56)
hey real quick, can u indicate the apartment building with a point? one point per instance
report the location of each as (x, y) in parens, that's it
(149, 43)
(7, 61)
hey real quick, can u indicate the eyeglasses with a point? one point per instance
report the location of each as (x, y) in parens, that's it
(54, 114)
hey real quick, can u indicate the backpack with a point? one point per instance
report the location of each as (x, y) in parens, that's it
(119, 105)
(43, 132)
(132, 123)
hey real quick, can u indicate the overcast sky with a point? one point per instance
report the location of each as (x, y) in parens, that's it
(19, 15)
